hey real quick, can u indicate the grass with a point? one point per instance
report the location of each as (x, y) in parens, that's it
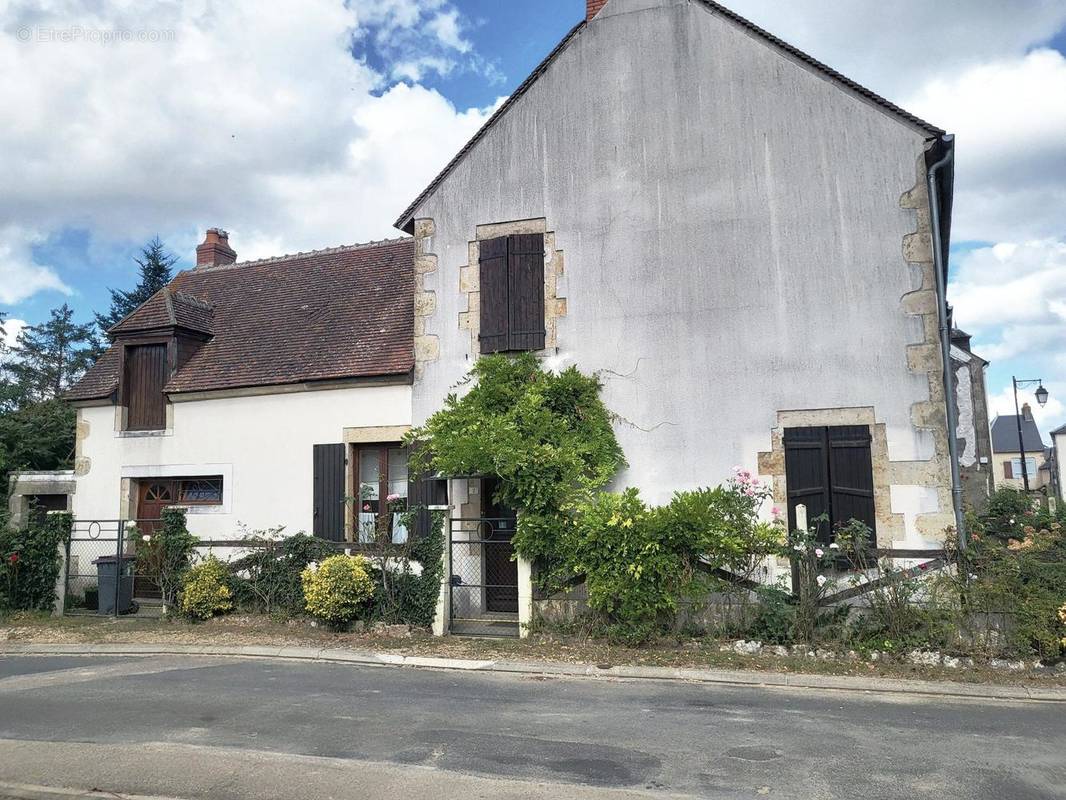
(239, 630)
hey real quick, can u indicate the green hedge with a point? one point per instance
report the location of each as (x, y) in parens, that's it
(30, 563)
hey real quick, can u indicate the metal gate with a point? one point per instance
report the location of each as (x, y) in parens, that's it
(483, 597)
(108, 569)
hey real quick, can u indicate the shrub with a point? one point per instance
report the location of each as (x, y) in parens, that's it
(775, 617)
(269, 574)
(400, 595)
(205, 590)
(30, 563)
(166, 555)
(640, 561)
(336, 590)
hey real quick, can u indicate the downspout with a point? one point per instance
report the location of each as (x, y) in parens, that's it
(945, 335)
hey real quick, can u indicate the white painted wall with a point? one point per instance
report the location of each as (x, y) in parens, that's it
(261, 445)
(732, 233)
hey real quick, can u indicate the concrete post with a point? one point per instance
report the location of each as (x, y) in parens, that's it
(443, 613)
(525, 596)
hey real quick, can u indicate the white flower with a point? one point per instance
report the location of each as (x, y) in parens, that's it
(1012, 520)
(821, 580)
(313, 566)
(819, 552)
(834, 546)
(973, 576)
(799, 548)
(146, 538)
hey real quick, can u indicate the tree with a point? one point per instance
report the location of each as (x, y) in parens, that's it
(155, 266)
(48, 358)
(39, 436)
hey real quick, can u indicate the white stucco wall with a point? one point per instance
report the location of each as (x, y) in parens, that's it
(732, 233)
(261, 445)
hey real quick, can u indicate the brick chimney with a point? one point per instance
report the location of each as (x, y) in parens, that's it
(215, 249)
(592, 8)
(1027, 412)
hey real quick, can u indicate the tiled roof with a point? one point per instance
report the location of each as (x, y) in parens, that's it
(404, 220)
(1005, 435)
(164, 309)
(328, 314)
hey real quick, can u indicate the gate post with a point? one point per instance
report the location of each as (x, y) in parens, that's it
(442, 616)
(60, 604)
(525, 596)
(118, 565)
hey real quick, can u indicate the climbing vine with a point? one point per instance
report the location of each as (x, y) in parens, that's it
(546, 436)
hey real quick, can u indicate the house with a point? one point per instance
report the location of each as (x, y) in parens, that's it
(972, 429)
(1008, 432)
(748, 247)
(737, 238)
(257, 394)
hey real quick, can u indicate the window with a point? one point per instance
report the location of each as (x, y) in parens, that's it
(1013, 468)
(200, 491)
(512, 293)
(381, 474)
(145, 374)
(829, 470)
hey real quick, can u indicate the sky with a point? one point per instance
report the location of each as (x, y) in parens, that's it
(301, 125)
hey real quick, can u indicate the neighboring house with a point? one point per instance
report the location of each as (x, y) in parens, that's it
(259, 393)
(974, 434)
(1058, 462)
(1007, 452)
(735, 237)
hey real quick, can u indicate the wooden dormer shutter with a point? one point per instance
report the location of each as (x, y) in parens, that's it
(145, 376)
(512, 293)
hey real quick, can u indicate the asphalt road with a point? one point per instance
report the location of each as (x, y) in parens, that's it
(203, 727)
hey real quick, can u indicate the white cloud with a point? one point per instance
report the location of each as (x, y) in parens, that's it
(1013, 299)
(20, 275)
(445, 26)
(254, 116)
(12, 327)
(1008, 116)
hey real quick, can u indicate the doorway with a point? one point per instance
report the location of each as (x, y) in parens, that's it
(501, 570)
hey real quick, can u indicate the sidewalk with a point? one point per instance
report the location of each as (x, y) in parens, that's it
(709, 676)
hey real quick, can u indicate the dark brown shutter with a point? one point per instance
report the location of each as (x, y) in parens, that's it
(328, 465)
(525, 266)
(1008, 469)
(423, 490)
(492, 264)
(851, 475)
(146, 408)
(807, 475)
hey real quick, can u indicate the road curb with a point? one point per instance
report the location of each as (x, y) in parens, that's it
(688, 675)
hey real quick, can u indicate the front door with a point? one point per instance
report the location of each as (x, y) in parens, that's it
(152, 497)
(501, 570)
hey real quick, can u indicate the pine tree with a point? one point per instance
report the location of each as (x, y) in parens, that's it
(49, 357)
(155, 265)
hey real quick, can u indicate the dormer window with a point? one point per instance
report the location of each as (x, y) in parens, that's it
(145, 375)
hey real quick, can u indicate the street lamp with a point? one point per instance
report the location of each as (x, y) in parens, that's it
(1041, 397)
